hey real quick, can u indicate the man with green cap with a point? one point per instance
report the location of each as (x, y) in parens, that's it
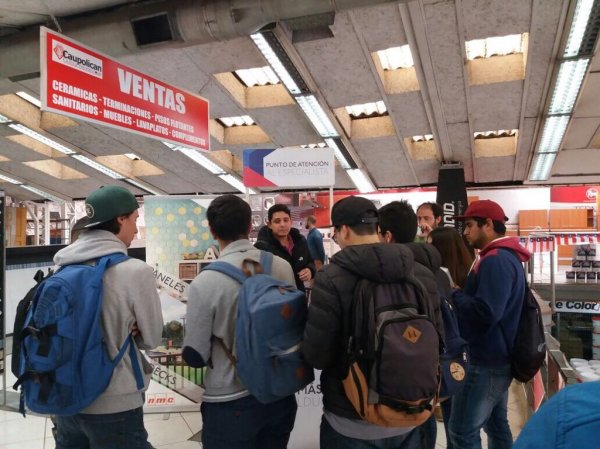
(129, 303)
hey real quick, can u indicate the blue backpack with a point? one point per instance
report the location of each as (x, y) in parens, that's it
(268, 333)
(454, 360)
(64, 364)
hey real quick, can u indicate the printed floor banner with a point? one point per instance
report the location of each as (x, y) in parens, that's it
(178, 245)
(452, 195)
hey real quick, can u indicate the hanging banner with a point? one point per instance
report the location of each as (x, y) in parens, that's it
(574, 194)
(82, 83)
(452, 195)
(289, 167)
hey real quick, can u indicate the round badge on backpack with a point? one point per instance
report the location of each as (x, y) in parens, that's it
(89, 211)
(457, 371)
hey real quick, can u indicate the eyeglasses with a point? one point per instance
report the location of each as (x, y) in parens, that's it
(334, 236)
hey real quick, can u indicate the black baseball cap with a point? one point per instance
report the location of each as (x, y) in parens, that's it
(353, 211)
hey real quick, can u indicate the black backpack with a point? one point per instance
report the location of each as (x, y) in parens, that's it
(392, 376)
(454, 361)
(21, 314)
(529, 351)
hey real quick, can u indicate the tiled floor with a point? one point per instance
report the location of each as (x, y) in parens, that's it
(171, 430)
(168, 431)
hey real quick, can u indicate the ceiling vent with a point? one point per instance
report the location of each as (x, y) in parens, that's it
(152, 30)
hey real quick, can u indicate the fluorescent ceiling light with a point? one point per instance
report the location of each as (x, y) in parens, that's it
(202, 160)
(30, 98)
(11, 180)
(314, 145)
(566, 89)
(495, 134)
(541, 166)
(259, 76)
(236, 121)
(139, 185)
(361, 180)
(317, 116)
(495, 46)
(41, 138)
(396, 58)
(97, 166)
(338, 154)
(357, 110)
(132, 156)
(275, 63)
(554, 130)
(423, 138)
(235, 182)
(4, 119)
(578, 26)
(41, 193)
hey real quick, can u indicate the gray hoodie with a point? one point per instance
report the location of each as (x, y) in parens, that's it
(130, 298)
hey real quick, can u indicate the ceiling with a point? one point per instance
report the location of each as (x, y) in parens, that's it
(444, 95)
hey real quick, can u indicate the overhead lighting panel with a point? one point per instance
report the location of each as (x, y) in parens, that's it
(367, 109)
(360, 180)
(41, 138)
(273, 59)
(341, 153)
(396, 58)
(259, 76)
(30, 98)
(243, 120)
(542, 164)
(202, 160)
(141, 186)
(568, 83)
(97, 166)
(317, 116)
(554, 131)
(235, 182)
(581, 16)
(11, 180)
(496, 46)
(43, 194)
(4, 119)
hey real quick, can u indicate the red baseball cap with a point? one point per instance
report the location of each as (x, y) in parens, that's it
(484, 209)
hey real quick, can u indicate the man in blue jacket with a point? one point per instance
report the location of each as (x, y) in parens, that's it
(488, 309)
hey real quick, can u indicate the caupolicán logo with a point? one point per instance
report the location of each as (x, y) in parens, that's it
(59, 51)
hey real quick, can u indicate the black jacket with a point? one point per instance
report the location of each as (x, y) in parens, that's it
(327, 328)
(300, 257)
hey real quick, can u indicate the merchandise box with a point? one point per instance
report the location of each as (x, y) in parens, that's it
(591, 276)
(580, 276)
(586, 265)
(576, 263)
(570, 276)
(596, 264)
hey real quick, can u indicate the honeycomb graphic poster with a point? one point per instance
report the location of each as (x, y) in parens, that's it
(178, 240)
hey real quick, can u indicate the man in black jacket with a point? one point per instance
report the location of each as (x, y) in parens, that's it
(398, 224)
(327, 330)
(281, 239)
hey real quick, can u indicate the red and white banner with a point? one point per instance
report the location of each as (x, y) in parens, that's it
(572, 239)
(538, 244)
(82, 83)
(574, 194)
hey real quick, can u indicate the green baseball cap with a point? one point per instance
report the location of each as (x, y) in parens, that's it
(108, 202)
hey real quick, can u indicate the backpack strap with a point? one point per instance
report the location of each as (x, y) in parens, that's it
(227, 269)
(103, 263)
(266, 261)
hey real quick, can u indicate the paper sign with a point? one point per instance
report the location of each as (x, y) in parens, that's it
(289, 167)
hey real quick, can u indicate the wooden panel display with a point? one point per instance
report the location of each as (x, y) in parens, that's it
(533, 219)
(571, 219)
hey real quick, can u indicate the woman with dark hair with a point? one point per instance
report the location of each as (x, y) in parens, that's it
(455, 255)
(456, 261)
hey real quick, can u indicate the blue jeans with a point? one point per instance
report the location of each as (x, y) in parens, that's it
(124, 430)
(482, 403)
(248, 424)
(330, 439)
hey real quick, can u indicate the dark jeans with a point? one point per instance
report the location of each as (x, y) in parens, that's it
(330, 439)
(248, 424)
(446, 411)
(482, 403)
(124, 430)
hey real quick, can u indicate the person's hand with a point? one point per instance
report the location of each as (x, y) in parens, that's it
(425, 229)
(305, 275)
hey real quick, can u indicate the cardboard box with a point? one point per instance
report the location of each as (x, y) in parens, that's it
(576, 263)
(570, 276)
(580, 276)
(591, 277)
(586, 265)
